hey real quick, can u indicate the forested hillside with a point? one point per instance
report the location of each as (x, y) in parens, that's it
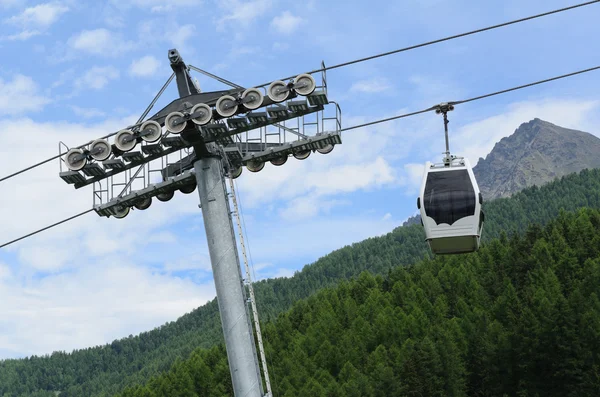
(103, 371)
(519, 318)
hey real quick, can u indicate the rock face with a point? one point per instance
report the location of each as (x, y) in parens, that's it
(535, 154)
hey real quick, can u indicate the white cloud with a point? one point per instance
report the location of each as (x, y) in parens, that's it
(5, 272)
(158, 6)
(371, 86)
(87, 113)
(92, 305)
(144, 67)
(89, 280)
(316, 236)
(414, 173)
(477, 139)
(20, 96)
(195, 261)
(97, 77)
(99, 42)
(180, 35)
(309, 206)
(242, 12)
(40, 16)
(21, 36)
(284, 272)
(9, 3)
(286, 23)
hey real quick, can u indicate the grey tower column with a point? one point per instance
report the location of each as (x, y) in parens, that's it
(245, 372)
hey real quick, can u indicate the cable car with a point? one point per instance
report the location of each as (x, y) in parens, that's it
(451, 207)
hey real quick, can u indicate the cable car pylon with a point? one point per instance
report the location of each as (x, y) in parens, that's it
(450, 202)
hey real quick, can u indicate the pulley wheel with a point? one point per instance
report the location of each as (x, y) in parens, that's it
(302, 155)
(206, 114)
(187, 189)
(73, 162)
(143, 204)
(100, 149)
(226, 106)
(121, 212)
(165, 196)
(279, 160)
(152, 131)
(304, 84)
(125, 140)
(325, 150)
(255, 98)
(170, 122)
(278, 91)
(255, 166)
(236, 172)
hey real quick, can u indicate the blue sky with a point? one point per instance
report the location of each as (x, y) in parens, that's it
(76, 70)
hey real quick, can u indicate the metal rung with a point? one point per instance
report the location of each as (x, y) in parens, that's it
(173, 141)
(297, 106)
(226, 140)
(72, 177)
(152, 149)
(93, 169)
(238, 122)
(133, 157)
(216, 128)
(278, 113)
(257, 117)
(233, 153)
(114, 164)
(318, 98)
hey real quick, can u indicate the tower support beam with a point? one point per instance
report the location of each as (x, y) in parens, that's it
(239, 340)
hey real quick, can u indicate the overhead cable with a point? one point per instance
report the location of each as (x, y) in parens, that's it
(338, 66)
(476, 98)
(471, 99)
(139, 122)
(456, 36)
(47, 227)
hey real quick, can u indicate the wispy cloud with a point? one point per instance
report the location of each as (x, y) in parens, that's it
(97, 77)
(9, 3)
(33, 20)
(477, 139)
(40, 16)
(286, 23)
(87, 113)
(100, 42)
(146, 66)
(158, 6)
(371, 86)
(20, 95)
(242, 12)
(21, 36)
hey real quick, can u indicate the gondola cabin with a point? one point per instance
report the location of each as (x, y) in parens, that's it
(451, 207)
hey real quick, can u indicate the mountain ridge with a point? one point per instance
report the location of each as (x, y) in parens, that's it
(106, 370)
(537, 152)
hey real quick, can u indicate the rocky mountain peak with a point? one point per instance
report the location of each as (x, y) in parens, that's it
(536, 153)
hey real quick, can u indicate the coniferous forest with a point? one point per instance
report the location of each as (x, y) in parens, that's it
(520, 317)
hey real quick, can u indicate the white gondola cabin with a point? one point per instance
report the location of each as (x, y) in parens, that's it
(451, 207)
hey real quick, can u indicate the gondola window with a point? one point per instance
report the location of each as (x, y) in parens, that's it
(449, 196)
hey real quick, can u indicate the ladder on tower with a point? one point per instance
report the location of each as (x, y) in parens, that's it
(251, 291)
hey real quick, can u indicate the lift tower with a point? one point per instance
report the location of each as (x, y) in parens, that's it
(222, 247)
(209, 143)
